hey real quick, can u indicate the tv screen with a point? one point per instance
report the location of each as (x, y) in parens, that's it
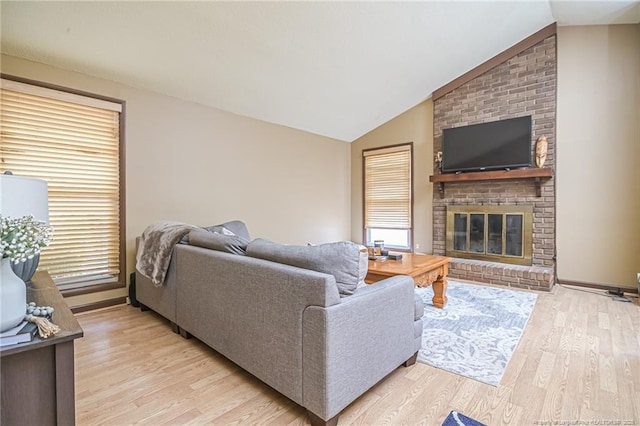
(502, 144)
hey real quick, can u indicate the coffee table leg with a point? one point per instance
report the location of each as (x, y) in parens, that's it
(438, 279)
(440, 289)
(439, 292)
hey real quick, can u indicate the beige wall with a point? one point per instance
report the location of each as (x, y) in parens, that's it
(203, 166)
(598, 169)
(414, 125)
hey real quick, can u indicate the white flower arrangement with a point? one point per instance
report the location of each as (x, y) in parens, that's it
(23, 238)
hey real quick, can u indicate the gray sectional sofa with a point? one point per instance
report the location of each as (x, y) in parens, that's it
(288, 325)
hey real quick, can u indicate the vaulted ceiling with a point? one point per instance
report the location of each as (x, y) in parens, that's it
(338, 69)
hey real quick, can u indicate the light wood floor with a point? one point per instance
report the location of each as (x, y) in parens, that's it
(579, 359)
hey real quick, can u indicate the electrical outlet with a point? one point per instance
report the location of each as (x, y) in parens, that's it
(418, 248)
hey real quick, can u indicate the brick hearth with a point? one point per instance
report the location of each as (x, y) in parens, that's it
(523, 85)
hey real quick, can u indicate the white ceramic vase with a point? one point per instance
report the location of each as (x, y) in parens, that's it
(13, 297)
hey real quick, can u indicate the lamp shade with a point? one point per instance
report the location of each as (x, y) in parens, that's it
(21, 196)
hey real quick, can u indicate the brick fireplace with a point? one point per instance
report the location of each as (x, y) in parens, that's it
(518, 85)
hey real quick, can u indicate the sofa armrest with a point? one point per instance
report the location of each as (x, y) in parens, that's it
(160, 299)
(349, 347)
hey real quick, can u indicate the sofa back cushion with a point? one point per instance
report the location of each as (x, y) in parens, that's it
(221, 241)
(345, 260)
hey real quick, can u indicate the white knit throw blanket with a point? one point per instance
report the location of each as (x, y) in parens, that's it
(155, 248)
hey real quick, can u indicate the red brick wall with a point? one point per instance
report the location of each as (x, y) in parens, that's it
(523, 85)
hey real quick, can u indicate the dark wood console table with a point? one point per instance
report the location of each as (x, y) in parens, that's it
(38, 381)
(532, 173)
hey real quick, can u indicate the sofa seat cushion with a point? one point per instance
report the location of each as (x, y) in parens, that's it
(222, 241)
(345, 260)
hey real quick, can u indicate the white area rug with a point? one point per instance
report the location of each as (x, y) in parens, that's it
(477, 332)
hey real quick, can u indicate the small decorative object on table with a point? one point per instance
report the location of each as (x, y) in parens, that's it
(21, 333)
(378, 246)
(40, 315)
(377, 252)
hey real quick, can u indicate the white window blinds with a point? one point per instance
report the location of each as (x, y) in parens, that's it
(72, 142)
(387, 188)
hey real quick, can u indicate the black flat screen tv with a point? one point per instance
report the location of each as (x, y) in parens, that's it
(503, 144)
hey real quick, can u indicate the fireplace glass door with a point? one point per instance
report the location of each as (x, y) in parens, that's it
(501, 233)
(494, 234)
(460, 232)
(513, 235)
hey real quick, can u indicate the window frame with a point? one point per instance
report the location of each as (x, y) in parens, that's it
(93, 286)
(408, 249)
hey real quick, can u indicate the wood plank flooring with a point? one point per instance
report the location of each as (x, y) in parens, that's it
(578, 360)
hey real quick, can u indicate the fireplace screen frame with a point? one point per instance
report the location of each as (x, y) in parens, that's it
(527, 233)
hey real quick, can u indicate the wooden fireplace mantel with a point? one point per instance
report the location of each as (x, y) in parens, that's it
(531, 173)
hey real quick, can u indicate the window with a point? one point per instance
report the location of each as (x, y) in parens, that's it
(73, 141)
(388, 207)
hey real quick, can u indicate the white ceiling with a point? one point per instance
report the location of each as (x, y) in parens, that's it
(338, 69)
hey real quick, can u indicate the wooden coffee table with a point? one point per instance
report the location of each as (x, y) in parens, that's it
(425, 269)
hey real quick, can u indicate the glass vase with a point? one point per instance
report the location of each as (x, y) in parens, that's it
(25, 270)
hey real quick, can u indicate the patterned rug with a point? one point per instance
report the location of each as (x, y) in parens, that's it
(478, 330)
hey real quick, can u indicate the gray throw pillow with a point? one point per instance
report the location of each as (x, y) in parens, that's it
(219, 229)
(238, 227)
(218, 241)
(345, 260)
